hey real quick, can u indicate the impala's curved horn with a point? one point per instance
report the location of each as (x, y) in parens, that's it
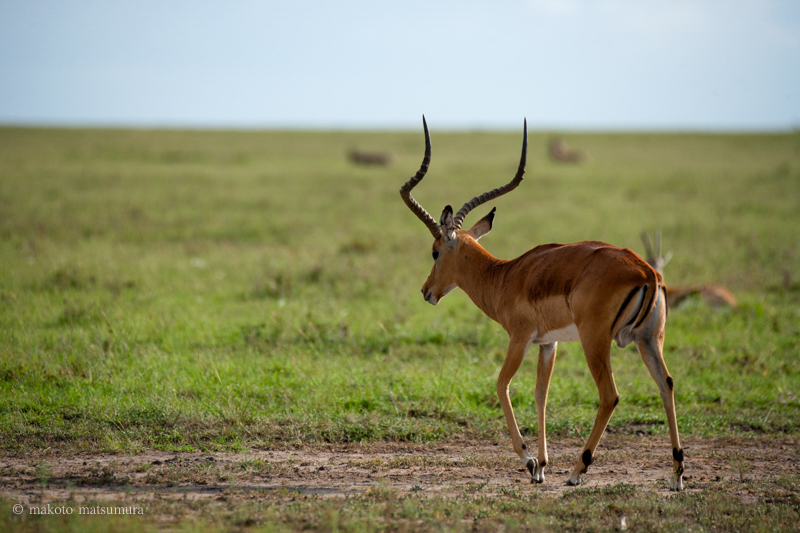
(405, 190)
(508, 187)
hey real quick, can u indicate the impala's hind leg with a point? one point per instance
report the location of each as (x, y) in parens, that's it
(598, 356)
(651, 352)
(544, 371)
(652, 356)
(650, 343)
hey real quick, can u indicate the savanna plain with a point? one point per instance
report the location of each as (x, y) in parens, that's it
(223, 330)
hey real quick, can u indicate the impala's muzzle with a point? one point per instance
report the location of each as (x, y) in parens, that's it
(433, 299)
(429, 297)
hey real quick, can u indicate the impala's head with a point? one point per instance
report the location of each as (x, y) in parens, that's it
(447, 234)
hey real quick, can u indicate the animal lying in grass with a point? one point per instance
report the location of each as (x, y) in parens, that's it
(713, 295)
(560, 151)
(588, 292)
(360, 157)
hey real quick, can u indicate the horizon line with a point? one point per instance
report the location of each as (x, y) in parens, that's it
(447, 127)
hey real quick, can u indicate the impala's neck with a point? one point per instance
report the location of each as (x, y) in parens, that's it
(480, 275)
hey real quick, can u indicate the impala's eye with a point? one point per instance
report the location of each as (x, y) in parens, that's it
(435, 255)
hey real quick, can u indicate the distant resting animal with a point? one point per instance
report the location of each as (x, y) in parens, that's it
(713, 295)
(382, 159)
(561, 152)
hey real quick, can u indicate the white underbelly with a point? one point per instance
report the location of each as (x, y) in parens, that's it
(567, 334)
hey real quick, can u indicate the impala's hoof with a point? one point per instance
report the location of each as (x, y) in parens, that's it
(573, 482)
(532, 466)
(676, 483)
(536, 469)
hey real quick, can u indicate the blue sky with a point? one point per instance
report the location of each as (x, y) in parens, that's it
(565, 64)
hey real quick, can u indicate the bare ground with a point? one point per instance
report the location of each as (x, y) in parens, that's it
(342, 470)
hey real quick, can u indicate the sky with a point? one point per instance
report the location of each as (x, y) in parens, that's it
(347, 64)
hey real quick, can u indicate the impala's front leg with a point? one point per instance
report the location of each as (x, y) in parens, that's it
(544, 371)
(516, 353)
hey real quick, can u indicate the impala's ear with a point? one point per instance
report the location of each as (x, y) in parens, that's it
(483, 226)
(447, 224)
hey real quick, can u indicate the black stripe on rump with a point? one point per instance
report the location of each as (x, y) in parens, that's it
(666, 302)
(624, 305)
(649, 304)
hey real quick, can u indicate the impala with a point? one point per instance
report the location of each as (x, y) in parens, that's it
(588, 292)
(713, 295)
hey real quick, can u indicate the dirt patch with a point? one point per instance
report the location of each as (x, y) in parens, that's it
(339, 471)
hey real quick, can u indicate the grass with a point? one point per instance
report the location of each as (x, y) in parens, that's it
(193, 290)
(477, 509)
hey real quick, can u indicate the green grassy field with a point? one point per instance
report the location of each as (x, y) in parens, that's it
(192, 290)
